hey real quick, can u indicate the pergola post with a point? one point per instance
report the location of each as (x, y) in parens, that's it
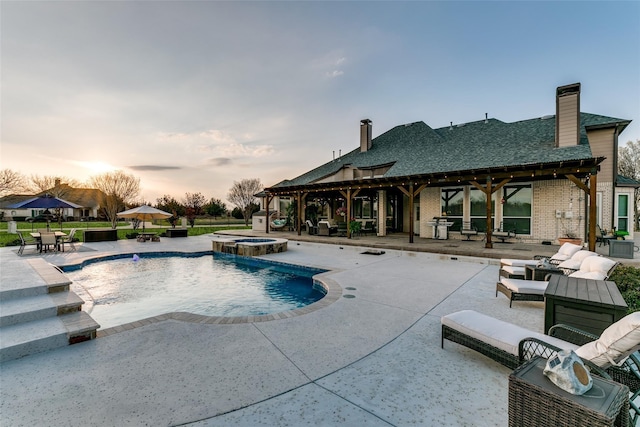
(266, 208)
(411, 193)
(348, 212)
(591, 191)
(299, 215)
(593, 179)
(488, 244)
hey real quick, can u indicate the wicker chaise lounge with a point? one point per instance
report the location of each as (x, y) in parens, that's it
(494, 338)
(593, 267)
(613, 355)
(514, 268)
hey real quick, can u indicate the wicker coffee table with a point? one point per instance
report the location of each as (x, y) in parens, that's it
(535, 401)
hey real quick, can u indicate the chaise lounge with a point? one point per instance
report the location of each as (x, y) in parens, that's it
(593, 267)
(612, 355)
(514, 268)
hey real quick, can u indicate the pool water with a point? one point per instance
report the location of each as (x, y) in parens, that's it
(133, 288)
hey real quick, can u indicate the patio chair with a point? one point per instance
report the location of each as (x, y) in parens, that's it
(602, 238)
(368, 227)
(24, 242)
(48, 240)
(311, 229)
(515, 268)
(68, 239)
(278, 224)
(613, 355)
(593, 267)
(342, 228)
(505, 232)
(324, 229)
(468, 230)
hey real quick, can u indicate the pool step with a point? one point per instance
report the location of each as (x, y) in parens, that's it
(26, 309)
(27, 338)
(42, 315)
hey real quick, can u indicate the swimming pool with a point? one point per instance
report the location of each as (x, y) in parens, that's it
(128, 288)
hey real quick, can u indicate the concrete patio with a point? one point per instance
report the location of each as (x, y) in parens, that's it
(372, 357)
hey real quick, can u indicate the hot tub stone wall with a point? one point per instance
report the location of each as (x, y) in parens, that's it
(249, 249)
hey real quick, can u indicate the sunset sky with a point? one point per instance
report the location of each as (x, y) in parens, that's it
(192, 95)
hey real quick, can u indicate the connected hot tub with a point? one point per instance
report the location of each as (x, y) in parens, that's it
(248, 246)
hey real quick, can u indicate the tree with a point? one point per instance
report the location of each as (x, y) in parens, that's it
(11, 182)
(168, 203)
(118, 190)
(193, 206)
(57, 186)
(215, 208)
(629, 166)
(242, 195)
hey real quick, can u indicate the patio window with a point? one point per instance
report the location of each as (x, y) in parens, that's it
(623, 212)
(362, 207)
(478, 209)
(516, 207)
(452, 200)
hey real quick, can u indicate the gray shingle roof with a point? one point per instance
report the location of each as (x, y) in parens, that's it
(624, 181)
(415, 148)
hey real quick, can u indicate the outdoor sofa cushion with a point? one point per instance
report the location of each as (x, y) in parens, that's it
(576, 260)
(566, 251)
(497, 333)
(618, 339)
(597, 264)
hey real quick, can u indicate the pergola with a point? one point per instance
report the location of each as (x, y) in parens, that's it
(583, 173)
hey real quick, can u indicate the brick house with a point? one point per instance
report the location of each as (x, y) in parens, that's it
(546, 177)
(87, 198)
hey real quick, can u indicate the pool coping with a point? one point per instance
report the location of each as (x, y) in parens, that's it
(332, 290)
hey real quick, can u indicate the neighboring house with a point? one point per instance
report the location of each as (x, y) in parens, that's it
(87, 198)
(539, 172)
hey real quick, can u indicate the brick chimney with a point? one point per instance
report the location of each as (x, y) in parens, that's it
(568, 115)
(365, 135)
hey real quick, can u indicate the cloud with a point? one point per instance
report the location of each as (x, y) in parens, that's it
(153, 167)
(332, 62)
(219, 161)
(220, 142)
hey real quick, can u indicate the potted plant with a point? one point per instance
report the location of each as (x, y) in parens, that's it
(341, 211)
(570, 237)
(354, 226)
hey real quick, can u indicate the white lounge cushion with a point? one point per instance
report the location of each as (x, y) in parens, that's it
(497, 333)
(597, 264)
(513, 270)
(576, 260)
(618, 339)
(518, 262)
(566, 251)
(522, 286)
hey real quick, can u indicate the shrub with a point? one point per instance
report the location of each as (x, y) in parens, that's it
(627, 279)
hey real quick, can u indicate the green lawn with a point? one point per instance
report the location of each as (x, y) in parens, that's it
(7, 239)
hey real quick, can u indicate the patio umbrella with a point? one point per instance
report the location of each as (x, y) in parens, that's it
(44, 202)
(144, 213)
